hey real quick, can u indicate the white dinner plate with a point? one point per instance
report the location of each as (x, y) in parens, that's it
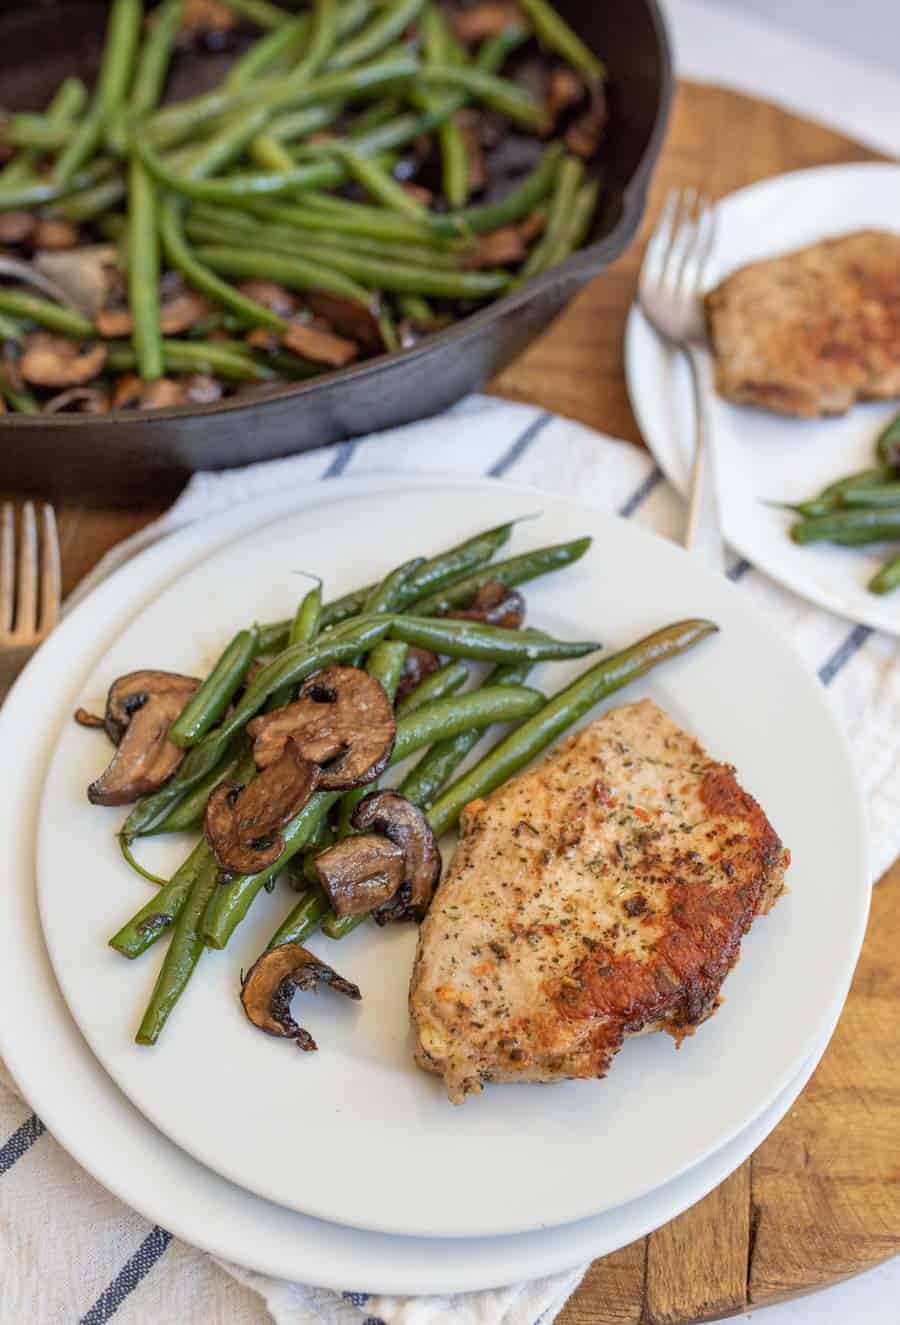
(356, 1134)
(763, 457)
(99, 1126)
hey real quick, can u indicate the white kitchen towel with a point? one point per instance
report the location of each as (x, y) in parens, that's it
(69, 1250)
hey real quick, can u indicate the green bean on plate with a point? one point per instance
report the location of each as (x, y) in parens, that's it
(291, 760)
(395, 166)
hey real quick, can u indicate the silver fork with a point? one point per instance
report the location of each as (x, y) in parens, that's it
(29, 587)
(670, 294)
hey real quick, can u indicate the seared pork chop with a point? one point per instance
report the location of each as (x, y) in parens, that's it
(813, 331)
(603, 893)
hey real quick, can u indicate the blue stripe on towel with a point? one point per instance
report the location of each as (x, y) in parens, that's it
(519, 446)
(640, 495)
(132, 1272)
(843, 653)
(22, 1139)
(342, 458)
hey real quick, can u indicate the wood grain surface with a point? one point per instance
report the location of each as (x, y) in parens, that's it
(820, 1199)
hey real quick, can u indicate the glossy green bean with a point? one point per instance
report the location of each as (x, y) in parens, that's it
(10, 330)
(65, 107)
(522, 201)
(164, 908)
(878, 495)
(303, 920)
(155, 57)
(186, 815)
(269, 154)
(281, 43)
(122, 36)
(831, 498)
(515, 570)
(304, 629)
(260, 12)
(301, 123)
(565, 708)
(498, 93)
(474, 639)
(90, 202)
(562, 208)
(385, 595)
(235, 227)
(45, 313)
(445, 681)
(187, 356)
(21, 402)
(435, 721)
(40, 190)
(342, 271)
(578, 227)
(386, 27)
(556, 35)
(852, 526)
(888, 445)
(143, 272)
(887, 579)
(211, 700)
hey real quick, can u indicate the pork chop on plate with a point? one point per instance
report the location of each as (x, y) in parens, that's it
(602, 893)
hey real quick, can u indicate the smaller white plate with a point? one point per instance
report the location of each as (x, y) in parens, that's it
(764, 457)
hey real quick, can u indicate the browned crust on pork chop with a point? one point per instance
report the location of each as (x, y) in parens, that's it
(601, 894)
(813, 331)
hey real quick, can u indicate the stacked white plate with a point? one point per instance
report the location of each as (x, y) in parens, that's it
(348, 1168)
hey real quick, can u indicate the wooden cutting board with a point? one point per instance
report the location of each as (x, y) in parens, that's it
(820, 1199)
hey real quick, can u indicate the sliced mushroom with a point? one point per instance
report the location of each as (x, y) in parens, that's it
(208, 21)
(176, 316)
(242, 822)
(405, 825)
(500, 248)
(361, 873)
(348, 317)
(201, 388)
(319, 345)
(79, 400)
(587, 132)
(56, 234)
(16, 227)
(131, 392)
(418, 664)
(533, 226)
(84, 275)
(565, 89)
(342, 720)
(497, 605)
(480, 21)
(57, 361)
(270, 985)
(140, 709)
(84, 718)
(272, 296)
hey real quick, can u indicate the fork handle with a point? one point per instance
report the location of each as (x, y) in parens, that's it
(703, 536)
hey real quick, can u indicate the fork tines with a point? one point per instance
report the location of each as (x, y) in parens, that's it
(30, 582)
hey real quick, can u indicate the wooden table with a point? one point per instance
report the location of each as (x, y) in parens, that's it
(820, 1199)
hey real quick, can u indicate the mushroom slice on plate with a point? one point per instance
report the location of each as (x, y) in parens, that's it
(418, 664)
(361, 873)
(405, 825)
(342, 720)
(140, 709)
(242, 822)
(495, 604)
(57, 361)
(270, 985)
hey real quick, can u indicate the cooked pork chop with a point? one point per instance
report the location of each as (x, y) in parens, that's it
(603, 893)
(811, 332)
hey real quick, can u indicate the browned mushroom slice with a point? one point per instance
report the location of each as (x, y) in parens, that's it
(319, 345)
(405, 825)
(176, 316)
(565, 89)
(79, 400)
(533, 226)
(263, 339)
(201, 389)
(587, 132)
(342, 720)
(270, 985)
(207, 19)
(113, 323)
(272, 296)
(361, 873)
(56, 234)
(140, 709)
(56, 361)
(131, 392)
(496, 604)
(500, 248)
(348, 317)
(480, 21)
(16, 227)
(86, 719)
(242, 822)
(418, 664)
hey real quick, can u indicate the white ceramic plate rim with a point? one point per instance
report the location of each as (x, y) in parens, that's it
(646, 358)
(96, 1123)
(454, 1219)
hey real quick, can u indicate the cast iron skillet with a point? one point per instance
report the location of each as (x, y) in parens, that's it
(125, 457)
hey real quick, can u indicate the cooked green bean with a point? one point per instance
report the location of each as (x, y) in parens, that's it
(122, 37)
(269, 153)
(65, 107)
(304, 629)
(435, 721)
(10, 330)
(562, 208)
(22, 402)
(164, 908)
(832, 497)
(497, 93)
(391, 23)
(385, 664)
(260, 12)
(155, 56)
(189, 356)
(304, 919)
(888, 445)
(522, 201)
(521, 746)
(236, 227)
(281, 43)
(210, 701)
(32, 308)
(578, 227)
(851, 526)
(340, 271)
(89, 202)
(186, 815)
(881, 494)
(299, 123)
(445, 681)
(553, 31)
(36, 191)
(888, 578)
(516, 570)
(143, 272)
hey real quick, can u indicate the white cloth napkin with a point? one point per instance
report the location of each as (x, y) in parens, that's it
(70, 1251)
